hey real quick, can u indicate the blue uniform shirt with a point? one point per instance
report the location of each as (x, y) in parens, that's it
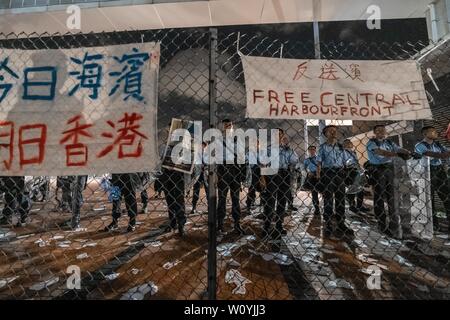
(310, 164)
(331, 156)
(287, 157)
(351, 158)
(423, 147)
(386, 145)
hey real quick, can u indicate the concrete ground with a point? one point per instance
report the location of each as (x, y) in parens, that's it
(151, 264)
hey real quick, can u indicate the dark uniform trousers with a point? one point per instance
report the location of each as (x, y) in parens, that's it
(251, 195)
(201, 181)
(384, 193)
(65, 184)
(290, 196)
(440, 184)
(124, 182)
(228, 179)
(359, 197)
(77, 198)
(315, 200)
(144, 198)
(158, 186)
(333, 181)
(173, 186)
(14, 197)
(278, 187)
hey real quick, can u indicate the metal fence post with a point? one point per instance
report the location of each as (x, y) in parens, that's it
(212, 214)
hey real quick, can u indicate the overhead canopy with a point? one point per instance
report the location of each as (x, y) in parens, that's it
(146, 14)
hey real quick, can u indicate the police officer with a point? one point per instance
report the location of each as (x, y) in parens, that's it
(229, 178)
(64, 183)
(201, 180)
(255, 171)
(173, 185)
(78, 185)
(331, 173)
(144, 177)
(277, 190)
(15, 200)
(439, 177)
(310, 166)
(352, 170)
(380, 152)
(125, 182)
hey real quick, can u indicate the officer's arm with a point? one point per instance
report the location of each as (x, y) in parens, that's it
(384, 153)
(438, 155)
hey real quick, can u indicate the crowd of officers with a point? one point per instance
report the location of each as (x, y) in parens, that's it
(330, 168)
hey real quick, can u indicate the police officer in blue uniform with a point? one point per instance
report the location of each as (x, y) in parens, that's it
(230, 174)
(201, 180)
(439, 154)
(277, 190)
(331, 172)
(353, 169)
(255, 171)
(381, 152)
(126, 184)
(310, 165)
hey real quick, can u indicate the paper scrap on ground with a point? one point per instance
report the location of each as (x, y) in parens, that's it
(44, 284)
(135, 271)
(64, 244)
(6, 234)
(91, 244)
(25, 236)
(82, 256)
(402, 261)
(278, 258)
(153, 244)
(112, 276)
(138, 293)
(234, 276)
(339, 283)
(170, 265)
(5, 281)
(42, 243)
(233, 263)
(226, 249)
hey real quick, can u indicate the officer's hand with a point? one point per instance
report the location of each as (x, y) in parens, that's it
(404, 155)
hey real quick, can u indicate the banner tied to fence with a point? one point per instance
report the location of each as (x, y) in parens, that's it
(78, 111)
(334, 89)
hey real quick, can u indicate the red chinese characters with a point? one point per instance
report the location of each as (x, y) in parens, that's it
(127, 137)
(32, 139)
(7, 141)
(300, 72)
(38, 133)
(76, 152)
(329, 72)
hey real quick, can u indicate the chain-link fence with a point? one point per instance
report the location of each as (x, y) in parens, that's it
(230, 231)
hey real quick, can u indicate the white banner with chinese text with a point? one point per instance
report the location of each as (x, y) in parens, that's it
(334, 89)
(79, 111)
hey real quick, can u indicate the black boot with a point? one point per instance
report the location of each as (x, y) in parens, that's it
(112, 226)
(238, 229)
(181, 230)
(327, 230)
